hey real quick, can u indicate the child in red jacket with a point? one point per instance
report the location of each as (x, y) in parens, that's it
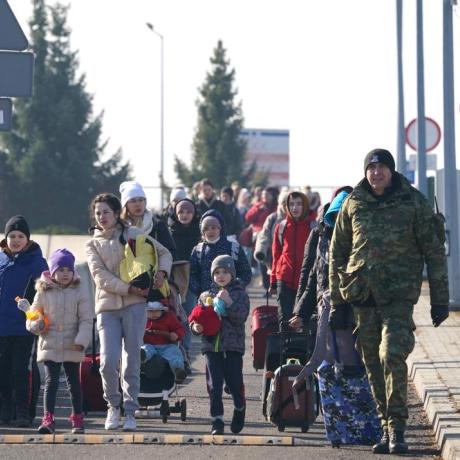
(162, 332)
(289, 240)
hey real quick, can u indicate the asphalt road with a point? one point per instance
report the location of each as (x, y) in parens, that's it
(314, 443)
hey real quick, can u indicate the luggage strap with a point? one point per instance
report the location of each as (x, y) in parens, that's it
(287, 401)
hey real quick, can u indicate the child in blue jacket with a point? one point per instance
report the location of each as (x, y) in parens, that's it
(215, 243)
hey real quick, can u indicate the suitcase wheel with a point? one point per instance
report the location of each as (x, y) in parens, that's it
(183, 410)
(304, 428)
(335, 444)
(281, 427)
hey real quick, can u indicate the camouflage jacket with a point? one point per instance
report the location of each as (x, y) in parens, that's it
(380, 244)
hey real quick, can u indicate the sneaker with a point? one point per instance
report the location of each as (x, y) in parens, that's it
(47, 425)
(77, 423)
(217, 426)
(112, 422)
(383, 446)
(238, 420)
(129, 423)
(397, 443)
(180, 374)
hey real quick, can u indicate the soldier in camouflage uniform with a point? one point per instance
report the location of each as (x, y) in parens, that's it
(384, 233)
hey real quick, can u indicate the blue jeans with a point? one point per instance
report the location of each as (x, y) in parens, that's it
(189, 303)
(121, 334)
(170, 352)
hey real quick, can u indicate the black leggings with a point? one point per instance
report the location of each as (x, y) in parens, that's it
(72, 373)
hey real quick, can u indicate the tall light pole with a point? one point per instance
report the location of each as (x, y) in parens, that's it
(401, 128)
(450, 166)
(150, 26)
(422, 182)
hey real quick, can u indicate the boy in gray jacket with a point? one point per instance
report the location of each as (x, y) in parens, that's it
(224, 352)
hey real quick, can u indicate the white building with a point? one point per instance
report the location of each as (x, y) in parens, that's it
(269, 148)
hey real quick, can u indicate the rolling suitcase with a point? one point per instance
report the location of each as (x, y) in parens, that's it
(289, 344)
(349, 411)
(264, 321)
(284, 408)
(91, 381)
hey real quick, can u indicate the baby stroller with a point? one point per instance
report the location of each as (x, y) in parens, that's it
(156, 391)
(157, 388)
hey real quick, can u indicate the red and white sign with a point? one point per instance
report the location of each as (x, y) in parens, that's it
(432, 134)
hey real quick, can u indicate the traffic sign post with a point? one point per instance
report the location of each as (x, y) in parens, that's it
(16, 67)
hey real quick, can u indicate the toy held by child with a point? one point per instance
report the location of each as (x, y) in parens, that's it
(224, 352)
(36, 322)
(61, 299)
(204, 317)
(163, 331)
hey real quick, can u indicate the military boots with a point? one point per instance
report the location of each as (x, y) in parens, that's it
(397, 443)
(383, 446)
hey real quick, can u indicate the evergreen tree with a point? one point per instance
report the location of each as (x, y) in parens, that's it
(218, 149)
(54, 155)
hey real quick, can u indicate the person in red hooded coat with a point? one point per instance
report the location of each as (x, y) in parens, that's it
(289, 240)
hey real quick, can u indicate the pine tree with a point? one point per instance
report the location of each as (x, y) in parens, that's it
(54, 151)
(219, 151)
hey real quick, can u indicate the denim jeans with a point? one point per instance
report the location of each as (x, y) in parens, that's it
(72, 374)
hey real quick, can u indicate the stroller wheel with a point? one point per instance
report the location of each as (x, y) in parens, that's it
(164, 410)
(183, 410)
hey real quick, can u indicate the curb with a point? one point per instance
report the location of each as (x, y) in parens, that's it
(438, 401)
(150, 439)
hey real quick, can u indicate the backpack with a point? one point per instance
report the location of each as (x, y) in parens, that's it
(234, 251)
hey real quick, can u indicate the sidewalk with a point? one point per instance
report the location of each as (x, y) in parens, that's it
(434, 368)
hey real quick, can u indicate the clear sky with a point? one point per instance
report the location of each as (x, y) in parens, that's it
(325, 70)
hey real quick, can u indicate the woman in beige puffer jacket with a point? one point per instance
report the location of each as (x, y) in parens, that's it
(120, 308)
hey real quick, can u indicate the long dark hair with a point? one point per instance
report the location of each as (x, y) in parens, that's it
(112, 202)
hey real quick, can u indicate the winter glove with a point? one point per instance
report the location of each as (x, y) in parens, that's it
(339, 317)
(220, 307)
(439, 313)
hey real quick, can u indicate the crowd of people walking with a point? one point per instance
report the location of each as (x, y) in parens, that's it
(348, 270)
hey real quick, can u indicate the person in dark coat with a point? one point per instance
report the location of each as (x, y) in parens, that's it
(215, 243)
(135, 213)
(21, 263)
(209, 200)
(236, 222)
(185, 231)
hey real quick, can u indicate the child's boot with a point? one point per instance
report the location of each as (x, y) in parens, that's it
(238, 420)
(47, 425)
(217, 426)
(77, 423)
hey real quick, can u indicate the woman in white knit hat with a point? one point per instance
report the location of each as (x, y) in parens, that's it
(135, 213)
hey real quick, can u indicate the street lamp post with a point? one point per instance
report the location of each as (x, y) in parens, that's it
(150, 26)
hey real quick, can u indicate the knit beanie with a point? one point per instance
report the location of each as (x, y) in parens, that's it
(334, 208)
(17, 223)
(224, 262)
(177, 194)
(61, 258)
(379, 156)
(209, 220)
(185, 204)
(130, 190)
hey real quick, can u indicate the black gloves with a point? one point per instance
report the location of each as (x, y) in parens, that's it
(439, 313)
(340, 316)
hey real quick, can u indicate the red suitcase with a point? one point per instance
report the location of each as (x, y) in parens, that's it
(283, 410)
(91, 382)
(264, 321)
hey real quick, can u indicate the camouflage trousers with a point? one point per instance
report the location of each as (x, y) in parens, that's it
(385, 340)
